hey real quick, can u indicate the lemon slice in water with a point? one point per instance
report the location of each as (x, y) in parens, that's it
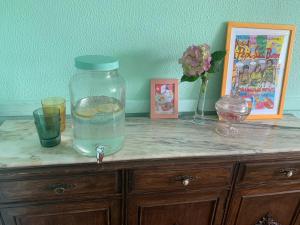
(90, 106)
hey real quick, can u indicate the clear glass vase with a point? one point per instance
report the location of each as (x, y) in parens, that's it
(201, 103)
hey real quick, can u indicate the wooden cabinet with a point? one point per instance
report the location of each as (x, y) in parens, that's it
(205, 208)
(61, 196)
(266, 191)
(60, 186)
(202, 191)
(269, 172)
(101, 212)
(249, 206)
(172, 178)
(179, 195)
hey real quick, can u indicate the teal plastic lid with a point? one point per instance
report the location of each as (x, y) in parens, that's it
(96, 62)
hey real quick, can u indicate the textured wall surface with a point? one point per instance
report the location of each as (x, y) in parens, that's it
(40, 38)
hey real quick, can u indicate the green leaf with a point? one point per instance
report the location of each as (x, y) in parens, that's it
(218, 56)
(214, 67)
(189, 78)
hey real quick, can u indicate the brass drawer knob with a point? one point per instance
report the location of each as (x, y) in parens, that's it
(186, 182)
(61, 188)
(289, 172)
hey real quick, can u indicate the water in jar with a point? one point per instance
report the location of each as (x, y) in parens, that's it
(98, 120)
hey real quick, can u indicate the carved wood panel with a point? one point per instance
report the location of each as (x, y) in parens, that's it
(267, 220)
(205, 208)
(184, 213)
(254, 206)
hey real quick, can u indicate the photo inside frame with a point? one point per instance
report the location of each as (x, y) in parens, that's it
(256, 67)
(164, 98)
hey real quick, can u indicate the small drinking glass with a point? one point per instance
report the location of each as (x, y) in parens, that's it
(47, 122)
(60, 103)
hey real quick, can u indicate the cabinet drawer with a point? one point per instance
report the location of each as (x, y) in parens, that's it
(179, 178)
(61, 187)
(268, 172)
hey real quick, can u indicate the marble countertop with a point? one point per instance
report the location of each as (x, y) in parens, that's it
(151, 139)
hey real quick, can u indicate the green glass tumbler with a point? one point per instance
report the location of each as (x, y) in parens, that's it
(47, 122)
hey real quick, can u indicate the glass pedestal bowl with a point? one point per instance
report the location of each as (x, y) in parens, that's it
(231, 110)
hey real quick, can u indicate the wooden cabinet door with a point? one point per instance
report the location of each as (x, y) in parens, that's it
(279, 204)
(197, 208)
(102, 212)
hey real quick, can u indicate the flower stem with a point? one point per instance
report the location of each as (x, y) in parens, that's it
(204, 79)
(203, 93)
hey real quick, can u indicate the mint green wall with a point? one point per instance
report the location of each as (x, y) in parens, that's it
(40, 38)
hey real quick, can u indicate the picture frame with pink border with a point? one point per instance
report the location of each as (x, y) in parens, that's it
(164, 98)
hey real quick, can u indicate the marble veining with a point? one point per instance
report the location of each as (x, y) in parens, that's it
(150, 139)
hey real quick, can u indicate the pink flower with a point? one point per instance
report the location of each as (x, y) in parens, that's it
(196, 60)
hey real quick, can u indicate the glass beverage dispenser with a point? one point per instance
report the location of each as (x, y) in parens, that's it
(97, 105)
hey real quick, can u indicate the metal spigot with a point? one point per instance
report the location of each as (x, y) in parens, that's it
(99, 153)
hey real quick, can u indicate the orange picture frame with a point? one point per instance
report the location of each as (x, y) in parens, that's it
(164, 98)
(233, 57)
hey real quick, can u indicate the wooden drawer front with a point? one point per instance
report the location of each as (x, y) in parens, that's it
(178, 178)
(84, 212)
(61, 187)
(268, 172)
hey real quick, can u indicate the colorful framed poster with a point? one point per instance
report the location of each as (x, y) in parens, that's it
(257, 65)
(164, 98)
